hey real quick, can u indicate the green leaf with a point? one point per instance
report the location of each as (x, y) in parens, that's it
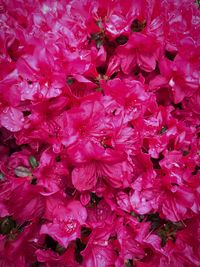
(1, 176)
(162, 234)
(163, 130)
(185, 152)
(33, 162)
(138, 217)
(59, 249)
(21, 171)
(70, 80)
(121, 40)
(99, 24)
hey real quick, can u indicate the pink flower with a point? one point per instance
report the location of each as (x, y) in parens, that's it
(180, 75)
(65, 220)
(19, 249)
(142, 50)
(51, 258)
(99, 214)
(11, 116)
(129, 94)
(100, 127)
(99, 250)
(50, 174)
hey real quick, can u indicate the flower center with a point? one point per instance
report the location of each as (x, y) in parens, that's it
(70, 226)
(106, 142)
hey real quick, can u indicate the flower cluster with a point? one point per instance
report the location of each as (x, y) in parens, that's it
(100, 133)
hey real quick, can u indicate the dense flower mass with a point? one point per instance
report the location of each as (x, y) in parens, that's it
(99, 133)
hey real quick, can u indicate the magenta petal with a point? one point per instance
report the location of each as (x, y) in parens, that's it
(147, 62)
(63, 233)
(12, 119)
(84, 177)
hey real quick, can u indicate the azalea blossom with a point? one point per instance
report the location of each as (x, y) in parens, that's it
(99, 133)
